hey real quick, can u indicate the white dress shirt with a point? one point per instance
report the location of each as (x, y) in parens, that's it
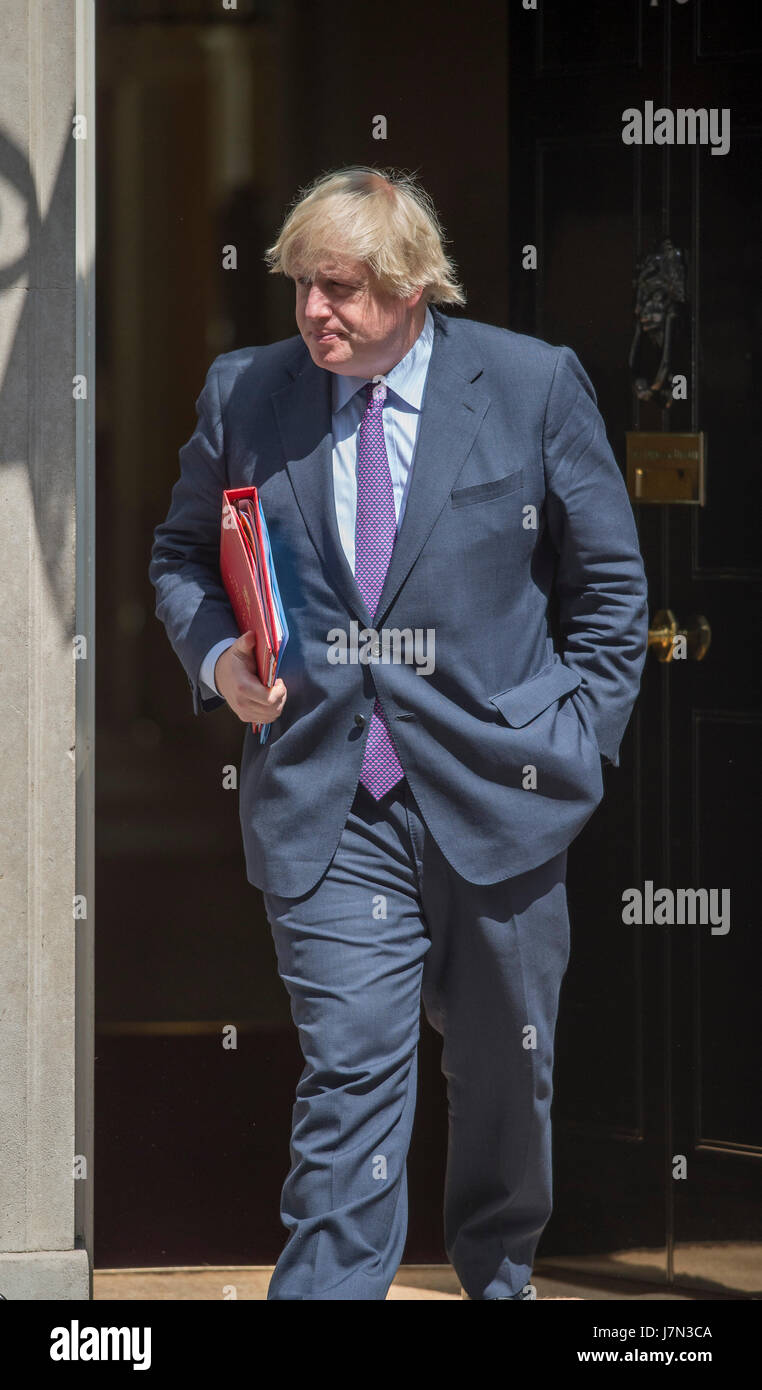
(401, 418)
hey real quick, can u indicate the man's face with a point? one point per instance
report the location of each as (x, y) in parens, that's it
(350, 325)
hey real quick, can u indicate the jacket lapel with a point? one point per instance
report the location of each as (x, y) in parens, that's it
(453, 408)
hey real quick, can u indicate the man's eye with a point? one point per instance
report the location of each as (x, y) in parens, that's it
(332, 284)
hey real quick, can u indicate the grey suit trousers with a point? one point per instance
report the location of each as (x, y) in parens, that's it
(388, 923)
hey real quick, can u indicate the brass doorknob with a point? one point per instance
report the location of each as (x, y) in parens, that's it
(663, 636)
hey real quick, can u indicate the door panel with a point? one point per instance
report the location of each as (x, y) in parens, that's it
(657, 1138)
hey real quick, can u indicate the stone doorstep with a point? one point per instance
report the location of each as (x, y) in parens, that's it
(55, 1275)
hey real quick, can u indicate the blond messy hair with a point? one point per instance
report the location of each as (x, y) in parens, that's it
(380, 216)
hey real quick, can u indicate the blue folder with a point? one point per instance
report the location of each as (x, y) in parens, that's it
(264, 731)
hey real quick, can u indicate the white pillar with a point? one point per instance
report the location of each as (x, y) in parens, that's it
(46, 191)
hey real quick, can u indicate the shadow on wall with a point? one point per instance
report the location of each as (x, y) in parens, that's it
(33, 242)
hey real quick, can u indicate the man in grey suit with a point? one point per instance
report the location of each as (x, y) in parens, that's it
(431, 484)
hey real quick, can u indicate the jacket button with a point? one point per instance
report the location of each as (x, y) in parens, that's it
(360, 721)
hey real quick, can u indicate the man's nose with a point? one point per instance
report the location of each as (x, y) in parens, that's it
(316, 304)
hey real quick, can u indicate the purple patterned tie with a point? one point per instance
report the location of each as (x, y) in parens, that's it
(375, 534)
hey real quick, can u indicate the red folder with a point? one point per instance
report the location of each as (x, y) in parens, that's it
(246, 579)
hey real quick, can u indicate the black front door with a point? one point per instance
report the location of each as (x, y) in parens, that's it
(658, 1132)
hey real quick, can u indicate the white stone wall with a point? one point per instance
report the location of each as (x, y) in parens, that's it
(38, 1258)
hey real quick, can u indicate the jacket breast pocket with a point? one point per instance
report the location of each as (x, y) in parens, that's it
(485, 492)
(522, 703)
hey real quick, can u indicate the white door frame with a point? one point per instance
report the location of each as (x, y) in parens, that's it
(85, 21)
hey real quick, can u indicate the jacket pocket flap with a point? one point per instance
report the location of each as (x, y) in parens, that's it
(524, 702)
(484, 492)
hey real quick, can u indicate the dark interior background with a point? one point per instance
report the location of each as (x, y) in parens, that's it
(208, 123)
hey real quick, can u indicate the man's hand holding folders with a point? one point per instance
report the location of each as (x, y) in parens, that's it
(235, 675)
(246, 674)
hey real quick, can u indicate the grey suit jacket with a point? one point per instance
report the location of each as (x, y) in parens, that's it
(515, 500)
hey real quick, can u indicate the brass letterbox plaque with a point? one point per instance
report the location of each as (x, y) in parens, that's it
(666, 467)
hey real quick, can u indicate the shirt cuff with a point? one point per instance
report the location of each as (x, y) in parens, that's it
(206, 674)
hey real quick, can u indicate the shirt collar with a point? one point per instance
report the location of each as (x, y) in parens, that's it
(406, 379)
